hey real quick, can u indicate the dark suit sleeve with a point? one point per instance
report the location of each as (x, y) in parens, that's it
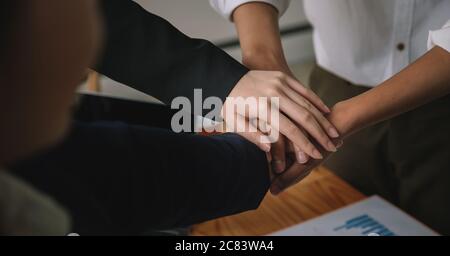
(147, 53)
(126, 179)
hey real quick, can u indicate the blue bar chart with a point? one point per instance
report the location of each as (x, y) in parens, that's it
(367, 226)
(373, 216)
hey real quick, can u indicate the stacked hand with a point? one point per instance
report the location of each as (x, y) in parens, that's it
(305, 133)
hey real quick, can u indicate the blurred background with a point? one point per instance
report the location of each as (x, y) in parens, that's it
(196, 18)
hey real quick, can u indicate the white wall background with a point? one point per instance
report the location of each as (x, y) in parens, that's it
(196, 18)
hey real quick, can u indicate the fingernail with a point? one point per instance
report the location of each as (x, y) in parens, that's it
(275, 190)
(339, 144)
(278, 166)
(302, 157)
(317, 154)
(333, 132)
(331, 146)
(266, 148)
(327, 108)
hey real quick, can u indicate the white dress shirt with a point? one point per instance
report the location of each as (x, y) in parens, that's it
(368, 41)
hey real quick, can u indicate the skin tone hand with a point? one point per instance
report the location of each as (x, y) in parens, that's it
(263, 51)
(426, 79)
(299, 108)
(423, 81)
(297, 171)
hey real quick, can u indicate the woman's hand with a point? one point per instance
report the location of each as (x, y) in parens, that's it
(342, 116)
(300, 116)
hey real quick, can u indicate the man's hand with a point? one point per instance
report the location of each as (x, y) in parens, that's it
(294, 174)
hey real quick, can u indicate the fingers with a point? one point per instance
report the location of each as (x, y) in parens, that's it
(308, 94)
(291, 176)
(301, 113)
(307, 121)
(255, 138)
(300, 100)
(278, 155)
(294, 133)
(301, 157)
(284, 126)
(249, 131)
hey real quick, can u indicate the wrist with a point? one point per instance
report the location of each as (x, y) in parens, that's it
(261, 59)
(344, 118)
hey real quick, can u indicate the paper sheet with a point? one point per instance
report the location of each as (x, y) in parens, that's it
(371, 217)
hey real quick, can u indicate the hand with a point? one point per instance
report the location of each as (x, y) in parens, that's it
(341, 116)
(289, 159)
(267, 60)
(263, 51)
(294, 174)
(301, 113)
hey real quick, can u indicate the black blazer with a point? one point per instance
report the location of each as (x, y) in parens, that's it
(147, 53)
(116, 173)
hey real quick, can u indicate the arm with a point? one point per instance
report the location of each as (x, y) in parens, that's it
(257, 26)
(121, 179)
(259, 36)
(147, 53)
(425, 80)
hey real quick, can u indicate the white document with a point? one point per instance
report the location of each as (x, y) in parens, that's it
(370, 217)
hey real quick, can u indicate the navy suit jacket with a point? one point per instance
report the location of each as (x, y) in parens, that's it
(116, 172)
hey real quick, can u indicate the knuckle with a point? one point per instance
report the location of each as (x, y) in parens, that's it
(274, 90)
(279, 74)
(291, 128)
(280, 77)
(308, 91)
(308, 105)
(276, 82)
(310, 147)
(307, 117)
(324, 138)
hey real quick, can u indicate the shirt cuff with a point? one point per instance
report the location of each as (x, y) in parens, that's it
(440, 37)
(226, 7)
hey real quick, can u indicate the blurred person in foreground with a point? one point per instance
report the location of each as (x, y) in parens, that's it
(118, 176)
(42, 63)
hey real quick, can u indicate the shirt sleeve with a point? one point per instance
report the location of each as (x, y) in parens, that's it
(226, 7)
(440, 37)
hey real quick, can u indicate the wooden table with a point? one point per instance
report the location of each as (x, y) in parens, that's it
(319, 193)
